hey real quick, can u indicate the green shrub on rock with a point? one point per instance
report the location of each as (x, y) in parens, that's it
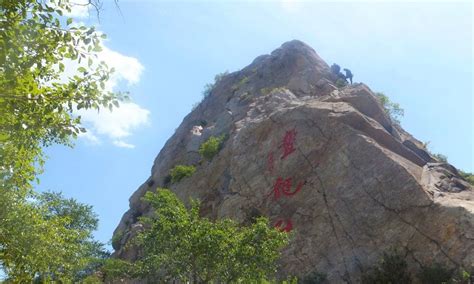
(435, 274)
(181, 171)
(314, 277)
(211, 147)
(441, 158)
(391, 269)
(393, 110)
(341, 83)
(469, 177)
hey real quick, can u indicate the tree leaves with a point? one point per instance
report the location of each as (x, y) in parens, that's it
(35, 45)
(180, 245)
(46, 237)
(36, 107)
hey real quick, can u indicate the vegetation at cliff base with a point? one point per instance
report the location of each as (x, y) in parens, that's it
(47, 238)
(181, 245)
(393, 268)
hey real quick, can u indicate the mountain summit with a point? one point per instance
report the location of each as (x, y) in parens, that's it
(318, 159)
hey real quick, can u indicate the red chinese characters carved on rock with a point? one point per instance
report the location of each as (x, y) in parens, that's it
(288, 143)
(288, 225)
(283, 186)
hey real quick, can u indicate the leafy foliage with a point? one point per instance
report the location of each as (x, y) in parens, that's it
(181, 171)
(391, 269)
(341, 83)
(47, 237)
(393, 110)
(435, 274)
(116, 238)
(265, 91)
(114, 269)
(441, 158)
(468, 176)
(211, 146)
(180, 245)
(36, 100)
(241, 83)
(314, 277)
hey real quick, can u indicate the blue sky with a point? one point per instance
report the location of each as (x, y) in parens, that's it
(419, 54)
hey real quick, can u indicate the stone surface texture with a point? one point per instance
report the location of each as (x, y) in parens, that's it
(326, 162)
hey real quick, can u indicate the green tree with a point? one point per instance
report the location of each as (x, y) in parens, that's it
(393, 110)
(179, 244)
(36, 100)
(47, 238)
(44, 237)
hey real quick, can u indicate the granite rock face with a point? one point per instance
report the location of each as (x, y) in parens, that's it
(323, 161)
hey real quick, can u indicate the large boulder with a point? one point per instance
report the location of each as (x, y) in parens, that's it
(325, 162)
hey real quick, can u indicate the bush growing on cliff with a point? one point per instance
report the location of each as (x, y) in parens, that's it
(181, 171)
(314, 277)
(211, 147)
(393, 110)
(116, 238)
(341, 83)
(469, 177)
(435, 274)
(441, 158)
(391, 269)
(180, 245)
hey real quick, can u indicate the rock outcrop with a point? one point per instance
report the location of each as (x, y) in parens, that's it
(323, 161)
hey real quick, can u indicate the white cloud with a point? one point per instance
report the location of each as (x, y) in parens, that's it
(119, 123)
(127, 68)
(116, 124)
(291, 6)
(123, 144)
(89, 137)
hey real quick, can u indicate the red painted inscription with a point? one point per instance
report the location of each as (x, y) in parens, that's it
(288, 143)
(284, 225)
(283, 186)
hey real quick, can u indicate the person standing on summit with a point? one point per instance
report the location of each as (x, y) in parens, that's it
(348, 74)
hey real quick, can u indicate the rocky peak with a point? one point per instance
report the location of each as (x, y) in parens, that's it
(324, 161)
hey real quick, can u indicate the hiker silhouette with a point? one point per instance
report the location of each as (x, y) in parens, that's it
(349, 74)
